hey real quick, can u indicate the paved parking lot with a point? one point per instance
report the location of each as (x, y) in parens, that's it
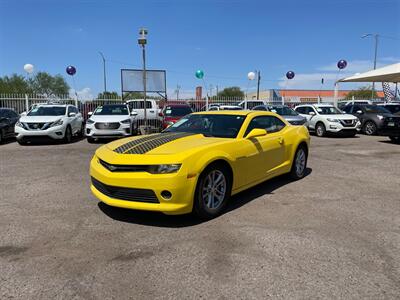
(334, 234)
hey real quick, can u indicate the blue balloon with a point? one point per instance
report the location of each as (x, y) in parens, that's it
(290, 75)
(199, 74)
(342, 64)
(71, 70)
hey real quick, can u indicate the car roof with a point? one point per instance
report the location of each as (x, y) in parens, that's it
(177, 105)
(54, 104)
(235, 112)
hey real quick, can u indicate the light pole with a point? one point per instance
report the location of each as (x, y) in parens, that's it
(104, 71)
(376, 36)
(142, 41)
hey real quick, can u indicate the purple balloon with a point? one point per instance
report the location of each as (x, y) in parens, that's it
(342, 64)
(71, 70)
(290, 75)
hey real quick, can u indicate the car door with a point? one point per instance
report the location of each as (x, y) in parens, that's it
(13, 117)
(71, 119)
(260, 157)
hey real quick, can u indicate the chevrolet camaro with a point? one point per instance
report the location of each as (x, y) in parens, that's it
(196, 164)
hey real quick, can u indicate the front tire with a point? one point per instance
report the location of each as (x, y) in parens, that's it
(320, 130)
(395, 139)
(370, 128)
(82, 131)
(1, 137)
(299, 165)
(212, 192)
(90, 140)
(68, 135)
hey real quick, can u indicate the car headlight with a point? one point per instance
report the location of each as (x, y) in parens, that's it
(380, 117)
(89, 121)
(56, 123)
(127, 121)
(333, 120)
(163, 169)
(19, 124)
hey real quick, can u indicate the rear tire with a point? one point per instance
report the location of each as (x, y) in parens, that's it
(320, 130)
(22, 142)
(68, 135)
(395, 139)
(1, 137)
(212, 191)
(90, 140)
(299, 164)
(370, 128)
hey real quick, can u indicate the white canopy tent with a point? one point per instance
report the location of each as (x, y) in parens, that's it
(389, 73)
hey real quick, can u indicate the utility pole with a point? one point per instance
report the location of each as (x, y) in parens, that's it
(104, 72)
(376, 36)
(143, 41)
(258, 84)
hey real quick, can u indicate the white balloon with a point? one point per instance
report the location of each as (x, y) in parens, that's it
(251, 75)
(28, 68)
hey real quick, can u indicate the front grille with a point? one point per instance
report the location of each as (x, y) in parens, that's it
(348, 123)
(35, 126)
(106, 126)
(123, 168)
(123, 193)
(393, 120)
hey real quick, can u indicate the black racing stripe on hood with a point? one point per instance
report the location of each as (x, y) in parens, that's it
(127, 146)
(147, 144)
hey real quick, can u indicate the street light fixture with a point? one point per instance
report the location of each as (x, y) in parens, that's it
(104, 72)
(142, 41)
(376, 36)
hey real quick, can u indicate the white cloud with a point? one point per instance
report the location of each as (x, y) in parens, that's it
(83, 95)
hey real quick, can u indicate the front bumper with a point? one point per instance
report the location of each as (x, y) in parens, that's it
(337, 127)
(55, 133)
(181, 188)
(123, 131)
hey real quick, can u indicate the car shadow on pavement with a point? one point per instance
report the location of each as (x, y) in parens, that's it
(49, 141)
(160, 220)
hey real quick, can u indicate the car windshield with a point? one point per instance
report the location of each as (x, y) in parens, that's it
(375, 109)
(328, 110)
(107, 110)
(177, 111)
(223, 126)
(47, 111)
(393, 108)
(283, 110)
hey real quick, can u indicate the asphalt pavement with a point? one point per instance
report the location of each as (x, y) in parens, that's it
(333, 235)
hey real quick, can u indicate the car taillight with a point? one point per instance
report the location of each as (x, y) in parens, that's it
(160, 114)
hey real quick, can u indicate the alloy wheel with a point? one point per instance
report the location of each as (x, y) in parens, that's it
(370, 128)
(300, 162)
(214, 189)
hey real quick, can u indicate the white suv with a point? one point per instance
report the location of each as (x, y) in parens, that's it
(325, 118)
(108, 121)
(55, 121)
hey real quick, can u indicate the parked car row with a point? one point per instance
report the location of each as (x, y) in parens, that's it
(63, 121)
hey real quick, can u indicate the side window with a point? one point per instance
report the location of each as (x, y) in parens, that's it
(300, 110)
(75, 110)
(13, 114)
(69, 110)
(347, 109)
(356, 108)
(269, 123)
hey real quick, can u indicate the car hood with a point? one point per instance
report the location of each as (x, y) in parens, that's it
(100, 118)
(341, 117)
(168, 147)
(40, 119)
(293, 118)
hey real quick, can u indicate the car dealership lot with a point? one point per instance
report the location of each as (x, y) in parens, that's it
(333, 234)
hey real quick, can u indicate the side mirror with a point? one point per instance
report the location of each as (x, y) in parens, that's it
(359, 112)
(90, 113)
(23, 114)
(311, 113)
(71, 114)
(256, 132)
(134, 113)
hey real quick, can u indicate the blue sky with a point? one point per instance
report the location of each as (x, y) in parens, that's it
(225, 38)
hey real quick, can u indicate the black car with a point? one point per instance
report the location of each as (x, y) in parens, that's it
(376, 120)
(393, 107)
(8, 118)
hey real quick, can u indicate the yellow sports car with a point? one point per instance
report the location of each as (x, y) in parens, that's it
(199, 162)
